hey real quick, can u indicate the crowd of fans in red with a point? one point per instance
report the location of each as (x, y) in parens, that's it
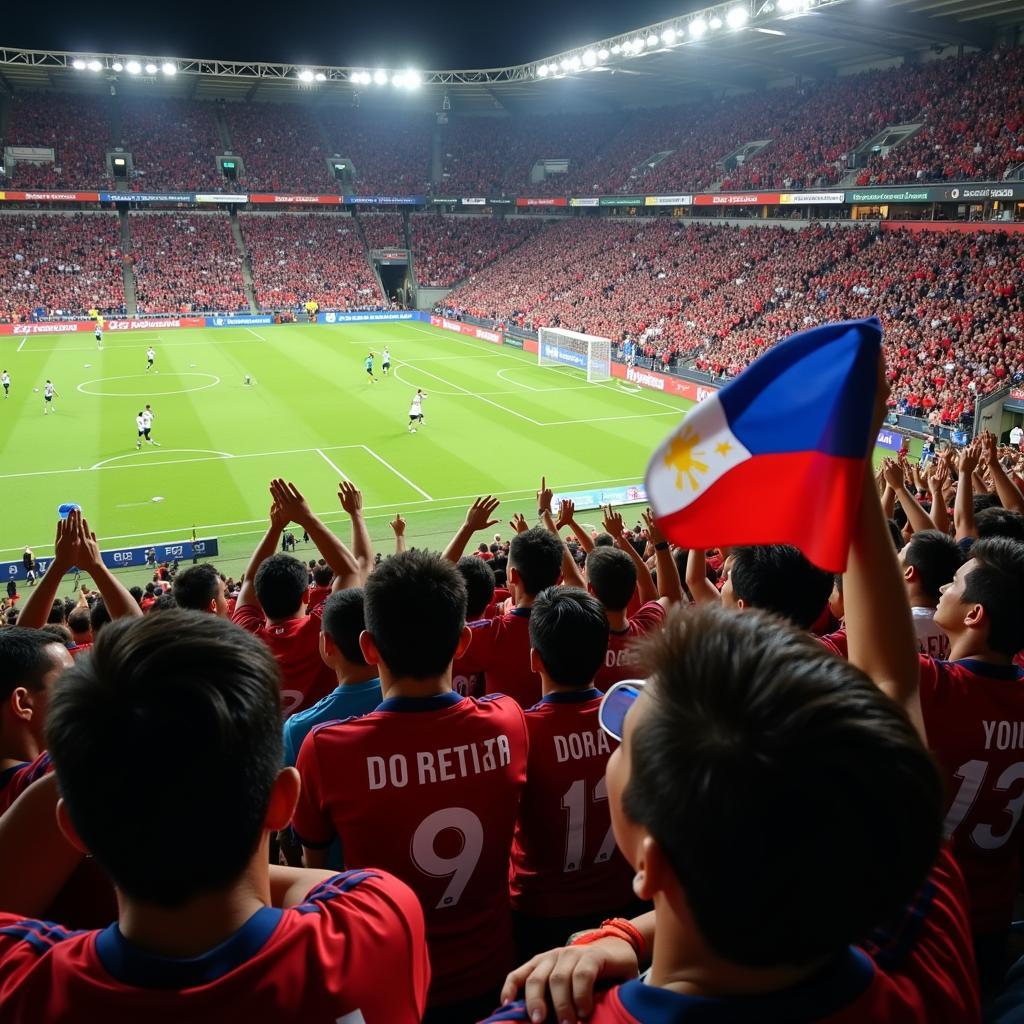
(62, 263)
(186, 262)
(295, 257)
(969, 107)
(383, 230)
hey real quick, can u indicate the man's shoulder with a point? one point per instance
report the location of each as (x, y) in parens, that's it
(250, 617)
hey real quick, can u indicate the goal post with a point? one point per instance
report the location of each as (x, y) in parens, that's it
(558, 347)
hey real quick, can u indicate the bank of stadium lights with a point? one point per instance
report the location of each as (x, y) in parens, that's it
(737, 17)
(134, 67)
(698, 27)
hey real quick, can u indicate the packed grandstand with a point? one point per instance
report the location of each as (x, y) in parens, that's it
(815, 812)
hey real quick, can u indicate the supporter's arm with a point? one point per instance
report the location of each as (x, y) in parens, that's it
(265, 548)
(290, 886)
(897, 482)
(963, 510)
(616, 529)
(701, 588)
(518, 523)
(888, 500)
(398, 525)
(118, 600)
(937, 482)
(567, 517)
(351, 499)
(36, 610)
(477, 518)
(295, 509)
(36, 859)
(1009, 494)
(880, 632)
(570, 571)
(670, 587)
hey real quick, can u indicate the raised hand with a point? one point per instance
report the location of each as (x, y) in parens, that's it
(518, 523)
(939, 476)
(480, 512)
(87, 548)
(290, 501)
(351, 497)
(892, 474)
(654, 534)
(66, 541)
(613, 523)
(544, 497)
(278, 517)
(398, 525)
(566, 513)
(970, 457)
(989, 448)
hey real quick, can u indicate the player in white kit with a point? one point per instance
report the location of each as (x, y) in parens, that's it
(416, 410)
(150, 356)
(5, 380)
(144, 421)
(49, 393)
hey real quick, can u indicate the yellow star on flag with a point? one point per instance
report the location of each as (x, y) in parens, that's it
(723, 448)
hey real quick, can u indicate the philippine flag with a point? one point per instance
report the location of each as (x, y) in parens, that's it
(776, 456)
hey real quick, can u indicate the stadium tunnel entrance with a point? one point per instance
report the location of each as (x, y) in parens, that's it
(393, 270)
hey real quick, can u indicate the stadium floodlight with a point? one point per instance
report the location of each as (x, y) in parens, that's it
(117, 66)
(616, 49)
(305, 75)
(715, 24)
(380, 77)
(602, 54)
(78, 64)
(95, 65)
(737, 17)
(668, 37)
(637, 45)
(698, 27)
(134, 67)
(413, 79)
(652, 40)
(574, 63)
(321, 77)
(542, 71)
(589, 58)
(361, 77)
(168, 68)
(150, 69)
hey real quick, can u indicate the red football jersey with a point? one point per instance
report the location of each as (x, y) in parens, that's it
(564, 859)
(296, 646)
(501, 650)
(428, 789)
(620, 660)
(16, 779)
(974, 721)
(79, 649)
(920, 971)
(320, 961)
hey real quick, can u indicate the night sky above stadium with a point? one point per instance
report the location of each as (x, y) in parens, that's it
(392, 34)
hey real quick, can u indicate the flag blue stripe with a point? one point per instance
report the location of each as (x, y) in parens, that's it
(812, 392)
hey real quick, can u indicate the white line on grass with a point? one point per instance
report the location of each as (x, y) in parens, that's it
(320, 452)
(401, 476)
(256, 333)
(22, 345)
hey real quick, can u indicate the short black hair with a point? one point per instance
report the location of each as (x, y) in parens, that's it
(148, 682)
(537, 556)
(56, 616)
(479, 579)
(569, 632)
(281, 582)
(936, 557)
(344, 620)
(767, 736)
(997, 584)
(322, 575)
(98, 615)
(778, 578)
(196, 587)
(80, 620)
(164, 603)
(136, 592)
(980, 502)
(415, 605)
(59, 632)
(999, 522)
(24, 659)
(604, 540)
(612, 575)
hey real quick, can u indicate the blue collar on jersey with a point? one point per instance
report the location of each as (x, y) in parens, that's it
(134, 966)
(434, 703)
(830, 990)
(574, 697)
(7, 775)
(523, 613)
(988, 668)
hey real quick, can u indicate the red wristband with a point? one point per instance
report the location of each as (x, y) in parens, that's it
(615, 928)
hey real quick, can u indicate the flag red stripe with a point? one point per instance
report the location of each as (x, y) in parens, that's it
(807, 499)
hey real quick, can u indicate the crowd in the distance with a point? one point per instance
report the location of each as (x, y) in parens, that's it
(586, 752)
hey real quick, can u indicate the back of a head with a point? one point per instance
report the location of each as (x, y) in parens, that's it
(148, 683)
(536, 555)
(98, 615)
(612, 576)
(801, 797)
(281, 583)
(996, 521)
(569, 632)
(196, 587)
(935, 556)
(344, 621)
(322, 575)
(997, 583)
(778, 578)
(24, 658)
(79, 621)
(415, 606)
(479, 579)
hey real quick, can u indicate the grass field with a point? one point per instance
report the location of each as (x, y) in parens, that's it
(495, 422)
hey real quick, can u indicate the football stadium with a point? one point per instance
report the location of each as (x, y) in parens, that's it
(547, 532)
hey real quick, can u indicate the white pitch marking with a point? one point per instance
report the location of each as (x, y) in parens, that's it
(256, 333)
(320, 452)
(22, 345)
(401, 476)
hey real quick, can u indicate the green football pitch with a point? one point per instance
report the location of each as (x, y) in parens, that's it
(494, 423)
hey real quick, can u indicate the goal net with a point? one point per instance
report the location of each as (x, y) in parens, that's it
(557, 347)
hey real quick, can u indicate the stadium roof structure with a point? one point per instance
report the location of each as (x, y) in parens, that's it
(741, 45)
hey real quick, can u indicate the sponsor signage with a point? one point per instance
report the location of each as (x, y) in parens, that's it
(260, 320)
(147, 197)
(542, 201)
(890, 195)
(474, 201)
(394, 256)
(585, 202)
(823, 198)
(363, 317)
(963, 193)
(668, 201)
(627, 494)
(890, 440)
(663, 382)
(482, 333)
(499, 202)
(270, 197)
(51, 197)
(220, 197)
(445, 199)
(513, 340)
(74, 326)
(126, 558)
(737, 199)
(622, 201)
(156, 323)
(385, 200)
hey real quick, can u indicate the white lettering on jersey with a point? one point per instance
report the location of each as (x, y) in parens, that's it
(444, 765)
(1004, 735)
(578, 745)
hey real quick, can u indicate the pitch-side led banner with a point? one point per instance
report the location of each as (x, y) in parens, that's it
(663, 382)
(482, 333)
(668, 201)
(220, 197)
(542, 201)
(737, 199)
(824, 198)
(626, 494)
(622, 200)
(147, 197)
(366, 316)
(125, 558)
(270, 197)
(80, 326)
(474, 201)
(585, 201)
(385, 200)
(50, 197)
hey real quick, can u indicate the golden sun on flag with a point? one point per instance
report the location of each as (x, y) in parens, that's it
(682, 457)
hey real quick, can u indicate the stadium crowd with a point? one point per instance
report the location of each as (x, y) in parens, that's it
(382, 230)
(449, 249)
(296, 257)
(185, 262)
